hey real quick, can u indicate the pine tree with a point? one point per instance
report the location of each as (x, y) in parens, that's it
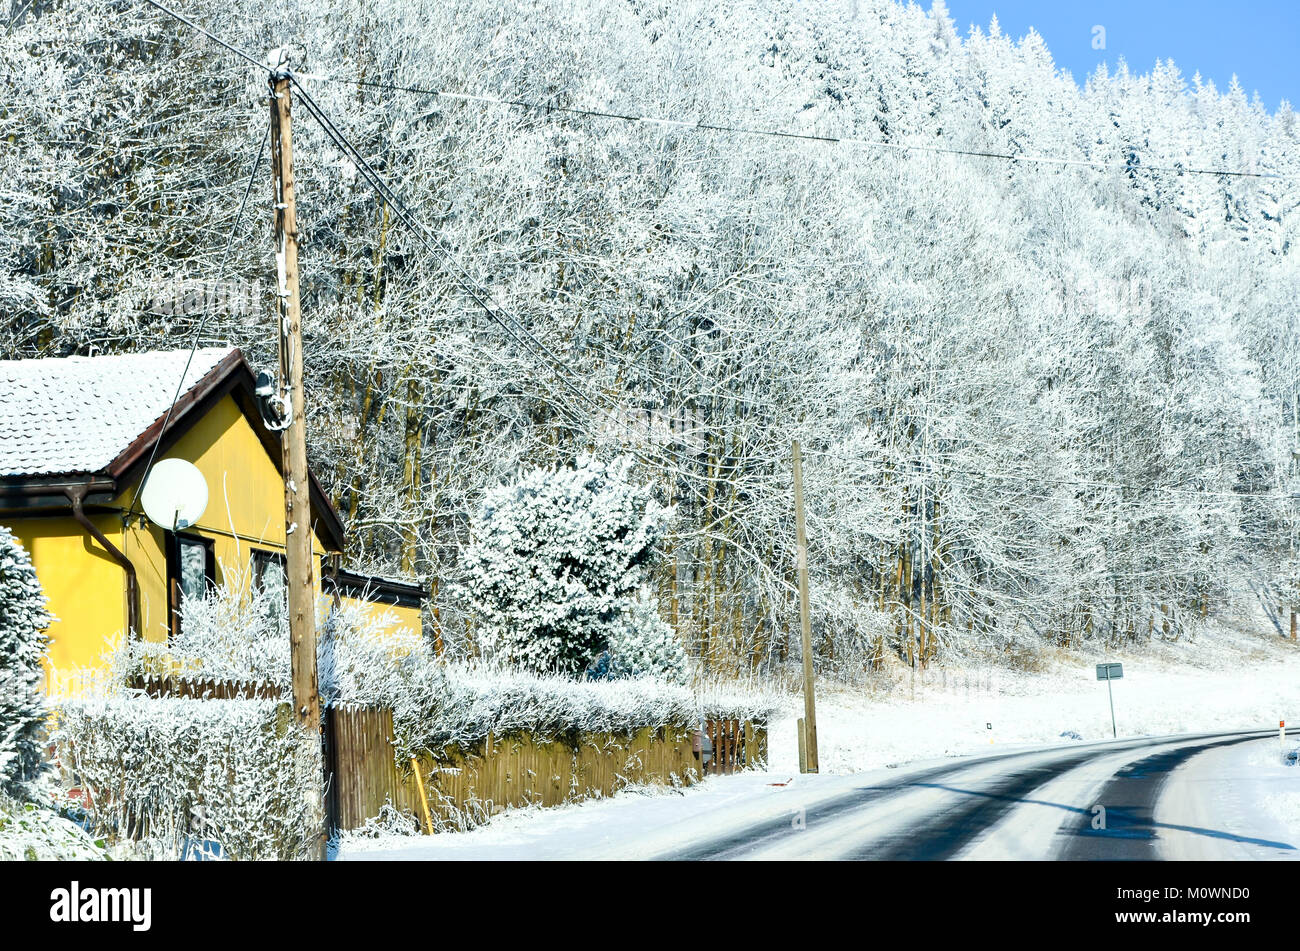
(23, 620)
(641, 644)
(555, 562)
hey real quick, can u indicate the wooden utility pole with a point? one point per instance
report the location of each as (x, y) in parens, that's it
(293, 443)
(805, 623)
(299, 583)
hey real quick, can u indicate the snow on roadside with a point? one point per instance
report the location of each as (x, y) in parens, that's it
(1276, 786)
(1223, 680)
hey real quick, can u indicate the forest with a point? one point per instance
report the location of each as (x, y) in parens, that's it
(1038, 336)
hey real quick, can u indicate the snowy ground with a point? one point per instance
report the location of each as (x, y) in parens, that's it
(1236, 787)
(1225, 680)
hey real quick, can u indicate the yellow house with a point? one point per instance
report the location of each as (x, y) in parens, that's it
(75, 437)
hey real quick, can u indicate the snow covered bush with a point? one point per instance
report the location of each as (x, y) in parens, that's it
(363, 662)
(232, 633)
(555, 562)
(194, 777)
(236, 633)
(23, 620)
(34, 834)
(642, 644)
(727, 698)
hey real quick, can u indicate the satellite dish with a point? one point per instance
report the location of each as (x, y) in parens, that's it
(175, 494)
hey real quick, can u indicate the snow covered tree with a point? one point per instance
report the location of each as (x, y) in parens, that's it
(641, 644)
(556, 560)
(23, 620)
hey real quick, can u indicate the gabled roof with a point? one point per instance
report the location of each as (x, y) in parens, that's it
(93, 421)
(78, 414)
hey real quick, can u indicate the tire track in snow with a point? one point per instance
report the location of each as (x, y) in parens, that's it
(957, 805)
(942, 835)
(1130, 799)
(746, 841)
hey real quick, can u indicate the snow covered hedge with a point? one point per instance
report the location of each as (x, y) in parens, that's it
(193, 777)
(435, 704)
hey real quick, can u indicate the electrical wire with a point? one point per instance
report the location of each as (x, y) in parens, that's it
(515, 329)
(703, 126)
(198, 331)
(700, 125)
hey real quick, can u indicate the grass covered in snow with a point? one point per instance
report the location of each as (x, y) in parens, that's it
(1227, 677)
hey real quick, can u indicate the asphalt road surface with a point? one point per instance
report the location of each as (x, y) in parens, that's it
(1163, 798)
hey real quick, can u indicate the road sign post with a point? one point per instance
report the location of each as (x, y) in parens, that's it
(1109, 672)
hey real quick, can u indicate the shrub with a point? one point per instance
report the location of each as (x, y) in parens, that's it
(34, 834)
(555, 562)
(23, 621)
(232, 633)
(233, 777)
(641, 644)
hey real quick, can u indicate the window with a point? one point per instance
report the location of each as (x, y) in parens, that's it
(191, 570)
(269, 575)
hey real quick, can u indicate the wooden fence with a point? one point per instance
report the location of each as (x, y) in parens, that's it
(736, 745)
(463, 787)
(205, 688)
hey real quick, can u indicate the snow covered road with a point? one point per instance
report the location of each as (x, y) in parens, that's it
(1221, 795)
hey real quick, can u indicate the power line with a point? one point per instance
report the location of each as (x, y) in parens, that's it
(382, 188)
(198, 331)
(523, 336)
(703, 126)
(212, 36)
(432, 242)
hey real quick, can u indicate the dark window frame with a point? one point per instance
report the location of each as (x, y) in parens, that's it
(172, 542)
(259, 557)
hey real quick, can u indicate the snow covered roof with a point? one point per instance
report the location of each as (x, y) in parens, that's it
(77, 414)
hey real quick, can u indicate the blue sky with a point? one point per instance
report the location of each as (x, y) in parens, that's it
(1259, 41)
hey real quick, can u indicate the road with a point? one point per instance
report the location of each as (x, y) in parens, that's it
(1185, 797)
(1100, 802)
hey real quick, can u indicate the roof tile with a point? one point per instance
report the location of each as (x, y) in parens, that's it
(77, 414)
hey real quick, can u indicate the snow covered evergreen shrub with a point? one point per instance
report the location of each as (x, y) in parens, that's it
(555, 561)
(23, 621)
(194, 776)
(641, 644)
(34, 834)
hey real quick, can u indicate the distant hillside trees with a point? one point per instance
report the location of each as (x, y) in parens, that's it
(1038, 402)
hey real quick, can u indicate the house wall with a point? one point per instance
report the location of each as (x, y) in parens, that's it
(86, 587)
(396, 615)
